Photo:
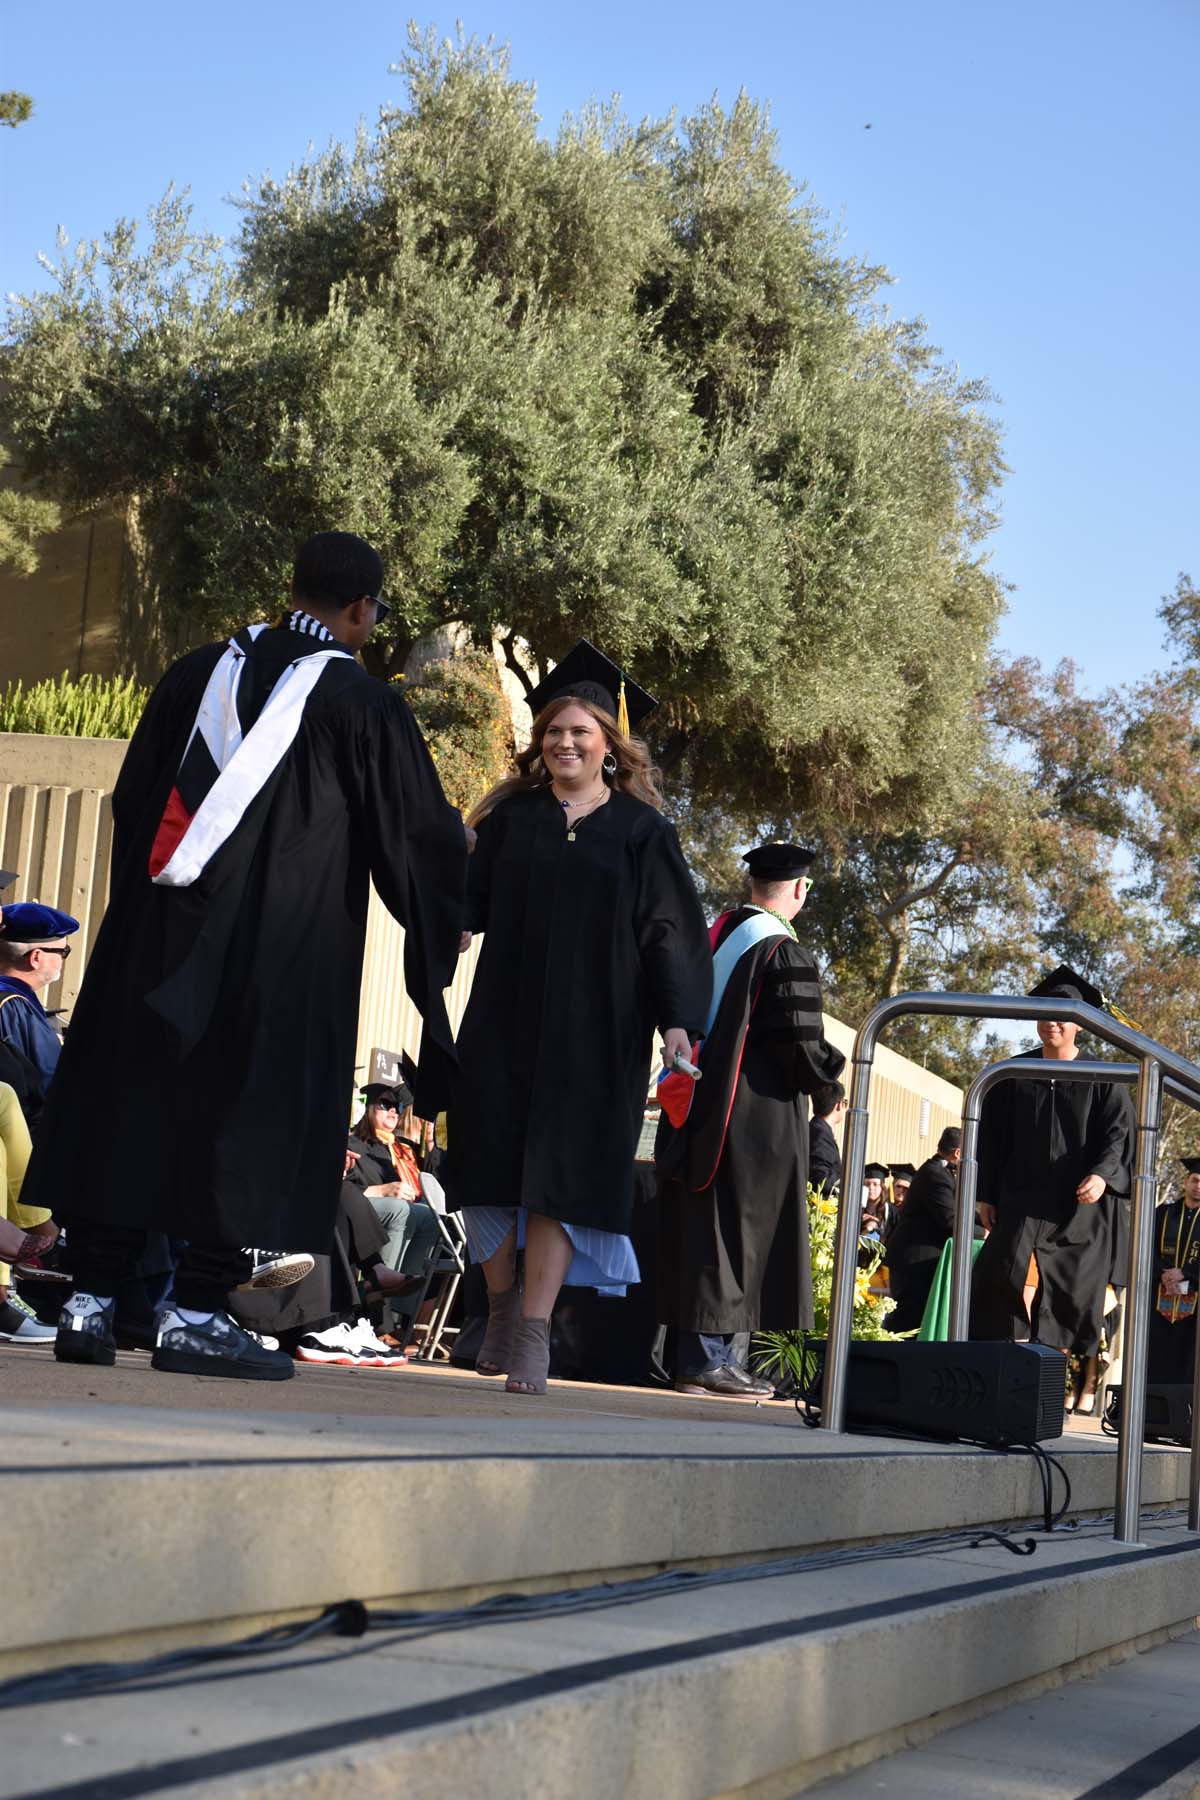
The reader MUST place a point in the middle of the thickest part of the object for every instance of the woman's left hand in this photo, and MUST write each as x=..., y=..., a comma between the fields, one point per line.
x=676, y=1042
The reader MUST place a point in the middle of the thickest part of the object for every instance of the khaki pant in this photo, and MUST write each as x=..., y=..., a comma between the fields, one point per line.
x=15, y=1149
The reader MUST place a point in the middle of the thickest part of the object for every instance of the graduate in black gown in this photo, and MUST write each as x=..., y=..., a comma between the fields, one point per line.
x=269, y=781
x=922, y=1226
x=592, y=937
x=1172, y=1355
x=733, y=1244
x=824, y=1158
x=1055, y=1171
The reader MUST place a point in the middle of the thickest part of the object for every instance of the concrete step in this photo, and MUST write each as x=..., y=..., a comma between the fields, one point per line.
x=757, y=1688
x=228, y=1509
x=1131, y=1730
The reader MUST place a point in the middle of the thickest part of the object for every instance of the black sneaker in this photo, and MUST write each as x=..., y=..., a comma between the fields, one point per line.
x=85, y=1331
x=277, y=1269
x=217, y=1347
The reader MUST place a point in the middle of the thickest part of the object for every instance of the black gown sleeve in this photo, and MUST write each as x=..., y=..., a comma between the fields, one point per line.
x=672, y=937
x=995, y=1118
x=1110, y=1137
x=416, y=850
x=479, y=873
x=787, y=1019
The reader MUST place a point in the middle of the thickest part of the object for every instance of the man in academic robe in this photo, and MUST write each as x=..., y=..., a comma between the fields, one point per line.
x=269, y=781
x=1055, y=1171
x=920, y=1229
x=733, y=1245
x=824, y=1158
x=34, y=947
x=1172, y=1355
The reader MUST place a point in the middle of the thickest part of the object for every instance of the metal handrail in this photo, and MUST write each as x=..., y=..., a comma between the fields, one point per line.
x=1159, y=1070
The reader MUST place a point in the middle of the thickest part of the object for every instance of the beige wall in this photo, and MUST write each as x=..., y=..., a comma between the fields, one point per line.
x=68, y=613
x=56, y=829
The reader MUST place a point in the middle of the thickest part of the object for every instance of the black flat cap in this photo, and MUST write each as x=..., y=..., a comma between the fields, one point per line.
x=779, y=862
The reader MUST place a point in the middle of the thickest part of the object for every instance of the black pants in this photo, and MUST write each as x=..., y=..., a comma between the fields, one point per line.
x=105, y=1256
x=1068, y=1310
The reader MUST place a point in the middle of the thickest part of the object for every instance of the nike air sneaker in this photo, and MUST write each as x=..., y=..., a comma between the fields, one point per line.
x=337, y=1345
x=382, y=1356
x=216, y=1345
x=85, y=1331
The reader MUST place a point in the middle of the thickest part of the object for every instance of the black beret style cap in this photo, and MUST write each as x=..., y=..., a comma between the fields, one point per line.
x=779, y=862
x=588, y=674
x=1064, y=984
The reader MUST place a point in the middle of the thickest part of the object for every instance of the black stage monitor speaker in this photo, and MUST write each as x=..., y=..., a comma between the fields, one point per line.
x=1168, y=1412
x=990, y=1393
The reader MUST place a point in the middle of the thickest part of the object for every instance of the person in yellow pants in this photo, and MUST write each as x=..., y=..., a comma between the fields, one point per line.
x=22, y=1228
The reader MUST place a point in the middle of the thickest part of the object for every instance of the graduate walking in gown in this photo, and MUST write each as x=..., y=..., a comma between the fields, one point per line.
x=733, y=1246
x=1172, y=1356
x=1055, y=1170
x=269, y=781
x=593, y=937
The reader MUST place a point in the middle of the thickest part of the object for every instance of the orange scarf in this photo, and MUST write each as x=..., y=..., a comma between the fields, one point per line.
x=404, y=1159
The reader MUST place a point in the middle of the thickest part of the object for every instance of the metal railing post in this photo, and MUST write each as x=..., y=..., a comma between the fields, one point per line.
x=964, y=1219
x=1138, y=1301
x=845, y=1259
x=1194, y=1464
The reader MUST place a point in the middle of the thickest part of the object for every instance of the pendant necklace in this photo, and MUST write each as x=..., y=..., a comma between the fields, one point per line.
x=594, y=800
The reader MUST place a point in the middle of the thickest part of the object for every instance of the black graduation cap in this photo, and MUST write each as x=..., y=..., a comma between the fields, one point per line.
x=875, y=1172
x=588, y=674
x=410, y=1070
x=1064, y=983
x=779, y=862
x=7, y=877
x=902, y=1171
x=1191, y=1164
x=375, y=1091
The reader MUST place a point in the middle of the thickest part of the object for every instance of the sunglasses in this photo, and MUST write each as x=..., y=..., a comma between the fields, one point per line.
x=385, y=1106
x=63, y=950
x=382, y=608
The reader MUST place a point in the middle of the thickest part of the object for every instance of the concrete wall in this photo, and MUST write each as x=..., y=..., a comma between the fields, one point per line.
x=68, y=613
x=56, y=829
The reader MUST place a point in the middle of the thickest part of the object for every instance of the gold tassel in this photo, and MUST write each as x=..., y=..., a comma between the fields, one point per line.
x=622, y=711
x=1123, y=1018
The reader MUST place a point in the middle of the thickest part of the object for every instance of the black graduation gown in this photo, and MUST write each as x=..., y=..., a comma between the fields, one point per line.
x=215, y=1029
x=733, y=1249
x=824, y=1157
x=1172, y=1353
x=1037, y=1142
x=588, y=945
x=914, y=1243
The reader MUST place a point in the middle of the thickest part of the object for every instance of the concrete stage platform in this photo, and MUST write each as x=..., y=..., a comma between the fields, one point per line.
x=170, y=1510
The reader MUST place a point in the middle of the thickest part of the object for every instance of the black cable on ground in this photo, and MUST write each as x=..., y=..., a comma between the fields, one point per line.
x=352, y=1619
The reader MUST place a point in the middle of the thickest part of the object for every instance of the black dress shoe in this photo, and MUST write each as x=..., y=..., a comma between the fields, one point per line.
x=728, y=1380
x=217, y=1346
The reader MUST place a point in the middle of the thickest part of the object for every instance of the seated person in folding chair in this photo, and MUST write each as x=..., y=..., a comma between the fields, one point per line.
x=389, y=1175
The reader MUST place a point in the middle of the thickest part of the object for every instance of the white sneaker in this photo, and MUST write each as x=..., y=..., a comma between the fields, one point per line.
x=381, y=1355
x=262, y=1337
x=337, y=1344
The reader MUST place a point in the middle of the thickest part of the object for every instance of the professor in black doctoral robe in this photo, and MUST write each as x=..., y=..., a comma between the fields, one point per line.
x=1055, y=1170
x=215, y=1029
x=733, y=1243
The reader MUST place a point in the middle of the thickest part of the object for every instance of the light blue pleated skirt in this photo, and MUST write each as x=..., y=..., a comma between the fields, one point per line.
x=604, y=1260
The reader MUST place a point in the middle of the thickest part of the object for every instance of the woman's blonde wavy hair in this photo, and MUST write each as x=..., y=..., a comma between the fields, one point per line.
x=634, y=774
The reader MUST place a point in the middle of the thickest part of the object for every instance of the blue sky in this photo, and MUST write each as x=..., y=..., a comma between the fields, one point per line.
x=1028, y=178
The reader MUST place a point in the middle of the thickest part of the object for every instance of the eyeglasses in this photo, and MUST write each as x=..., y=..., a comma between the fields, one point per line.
x=63, y=950
x=382, y=608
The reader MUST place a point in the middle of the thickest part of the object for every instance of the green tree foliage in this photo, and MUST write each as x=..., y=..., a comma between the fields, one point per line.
x=83, y=706
x=618, y=381
x=462, y=711
x=15, y=108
